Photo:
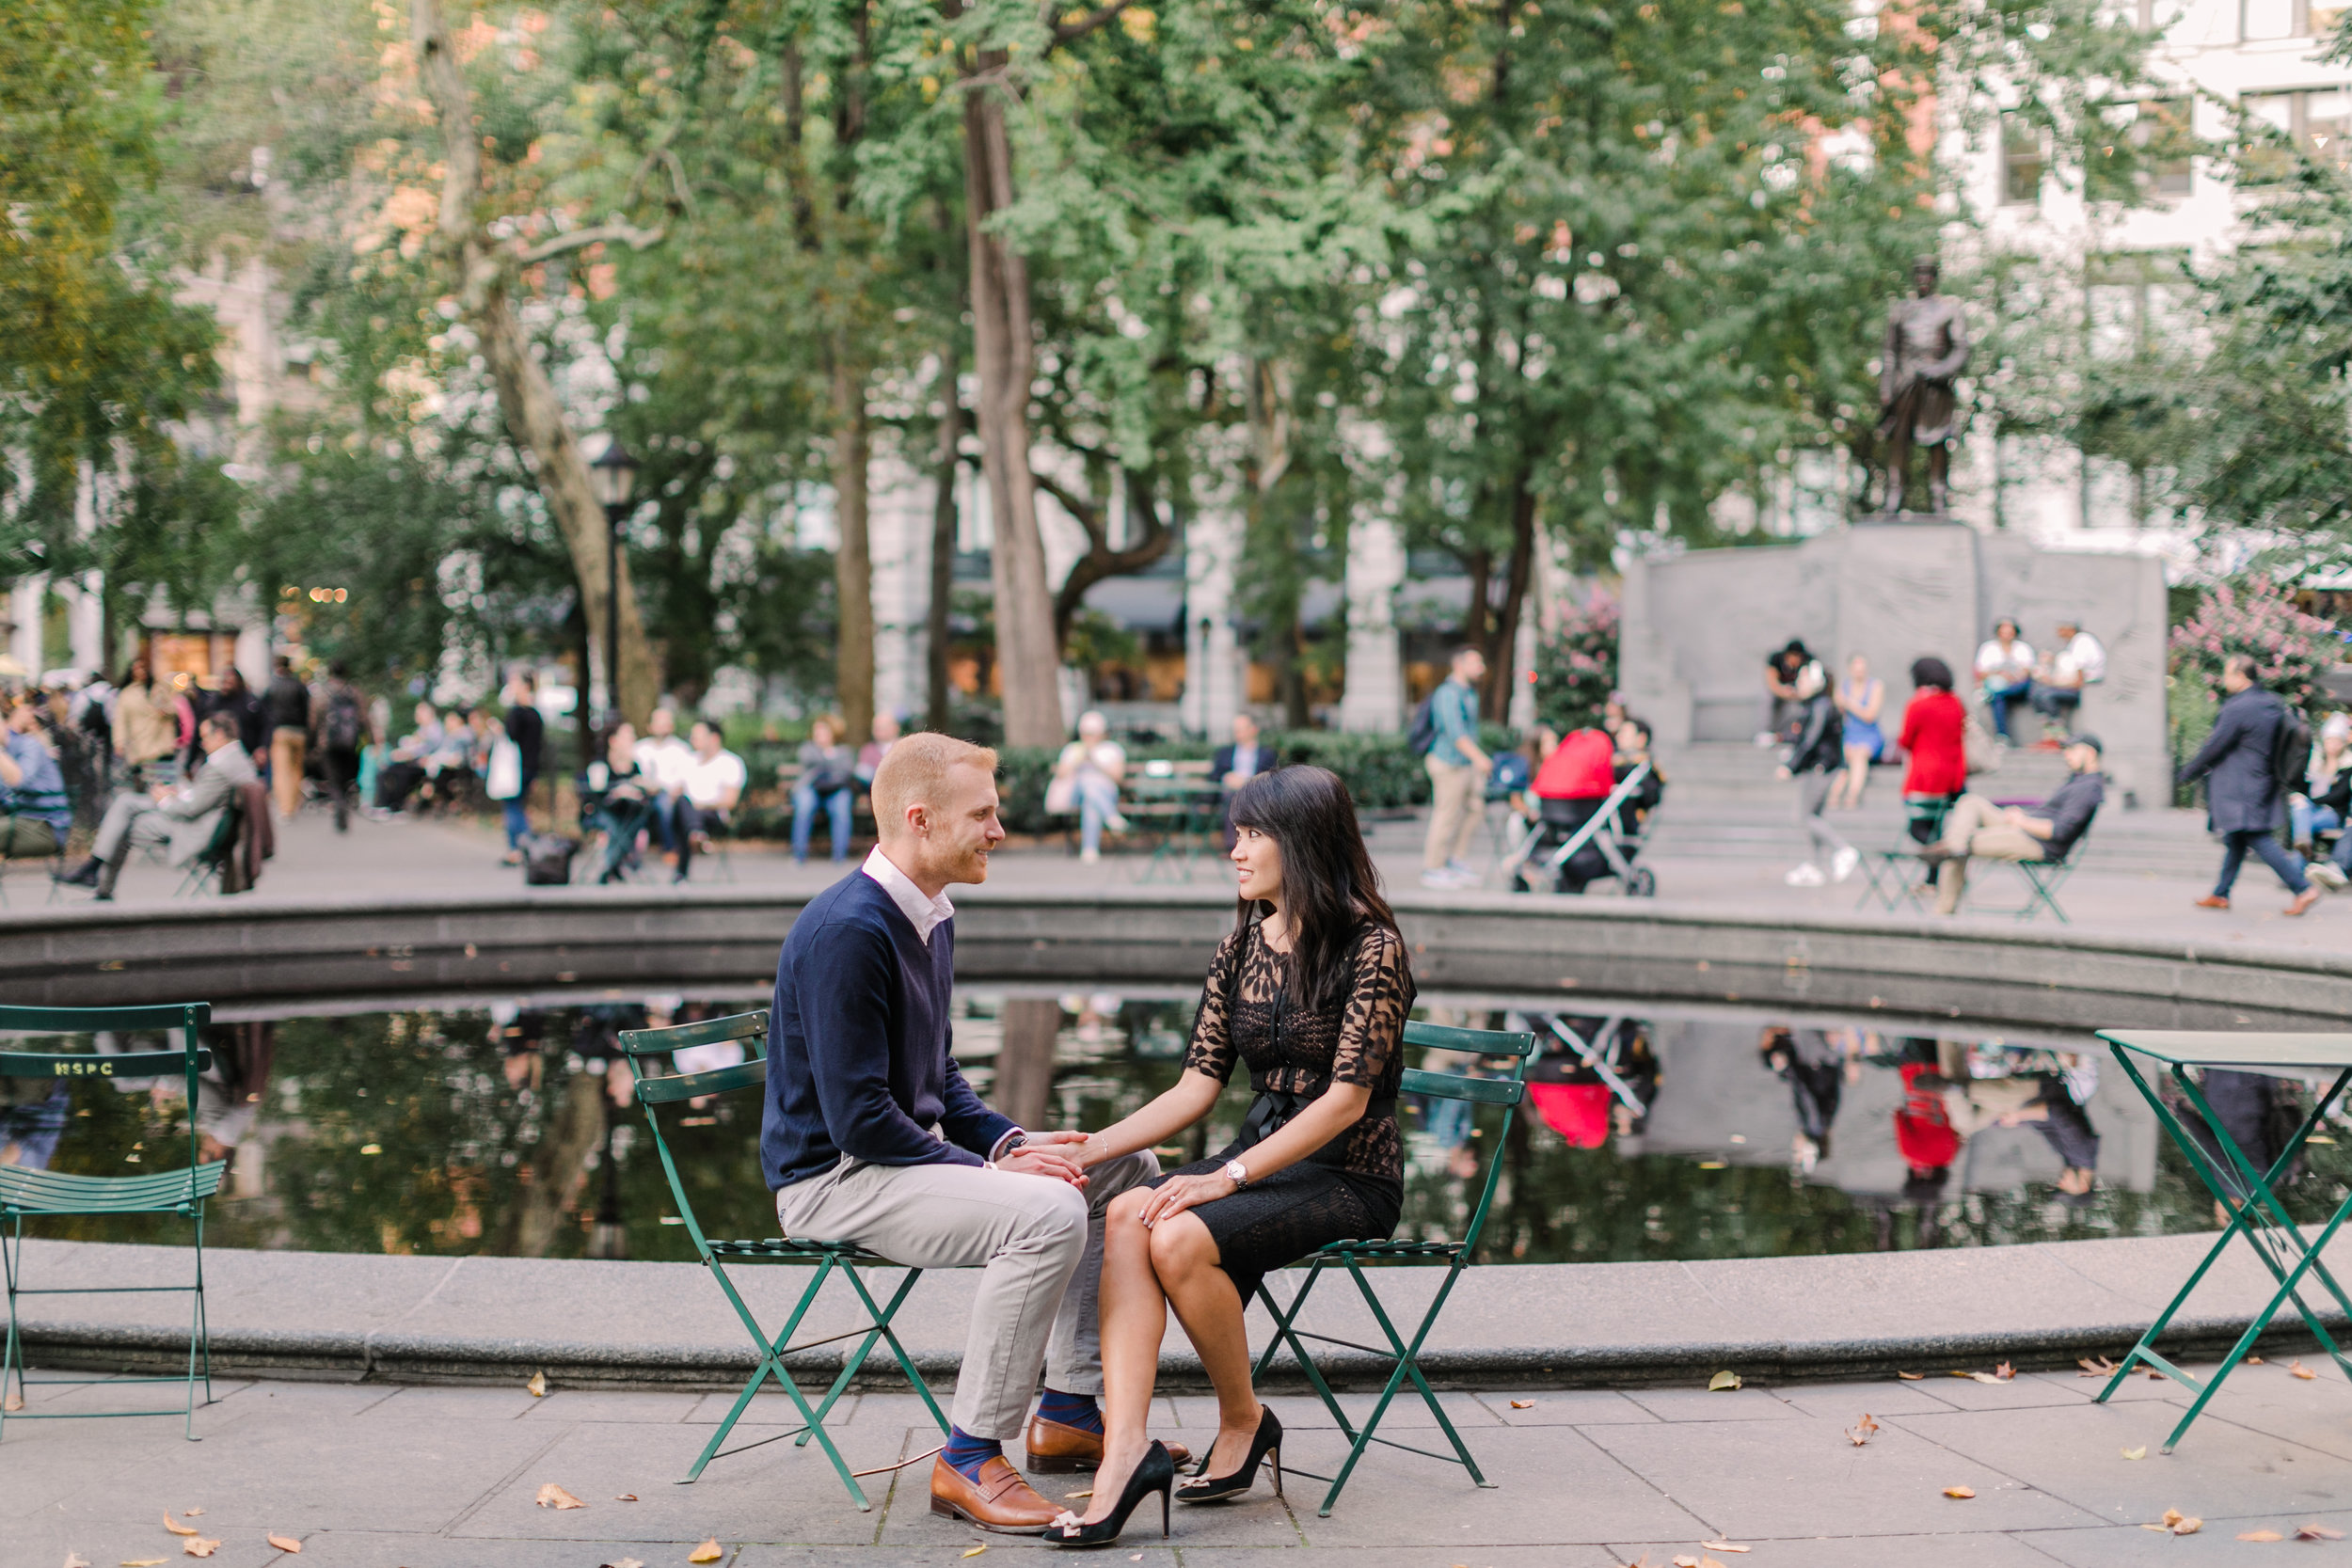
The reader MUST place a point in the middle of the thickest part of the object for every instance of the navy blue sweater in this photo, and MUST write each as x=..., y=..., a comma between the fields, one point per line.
x=858, y=1042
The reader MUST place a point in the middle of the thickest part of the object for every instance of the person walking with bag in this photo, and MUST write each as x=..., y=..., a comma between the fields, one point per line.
x=2243, y=798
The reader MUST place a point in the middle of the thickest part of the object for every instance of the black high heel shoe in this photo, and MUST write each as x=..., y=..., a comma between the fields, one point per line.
x=1156, y=1472
x=1266, y=1445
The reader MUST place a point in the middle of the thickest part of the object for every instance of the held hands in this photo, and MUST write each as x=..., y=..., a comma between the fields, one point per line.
x=1049, y=1154
x=1179, y=1192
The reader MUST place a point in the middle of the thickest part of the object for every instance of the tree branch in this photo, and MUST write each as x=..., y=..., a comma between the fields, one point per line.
x=1101, y=560
x=1089, y=515
x=1070, y=32
x=580, y=239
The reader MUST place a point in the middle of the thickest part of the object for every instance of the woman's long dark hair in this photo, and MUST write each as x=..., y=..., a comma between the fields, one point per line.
x=1329, y=888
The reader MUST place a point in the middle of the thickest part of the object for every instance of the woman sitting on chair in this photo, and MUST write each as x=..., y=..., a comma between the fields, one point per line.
x=1310, y=992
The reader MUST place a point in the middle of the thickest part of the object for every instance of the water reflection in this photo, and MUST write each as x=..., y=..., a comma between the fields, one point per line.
x=1652, y=1133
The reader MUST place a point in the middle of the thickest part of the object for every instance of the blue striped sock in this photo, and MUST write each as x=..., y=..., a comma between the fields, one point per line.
x=966, y=1453
x=1072, y=1410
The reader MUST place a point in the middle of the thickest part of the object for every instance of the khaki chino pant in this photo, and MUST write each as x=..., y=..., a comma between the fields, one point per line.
x=1976, y=827
x=1038, y=1241
x=288, y=749
x=1457, y=804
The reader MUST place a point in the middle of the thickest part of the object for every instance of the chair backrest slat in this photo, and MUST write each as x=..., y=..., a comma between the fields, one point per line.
x=1453, y=1085
x=710, y=1030
x=130, y=1064
x=81, y=1021
x=671, y=1088
x=1483, y=1042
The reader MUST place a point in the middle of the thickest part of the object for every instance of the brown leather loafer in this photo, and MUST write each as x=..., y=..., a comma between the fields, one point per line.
x=1057, y=1450
x=1000, y=1500
x=2303, y=900
x=2213, y=901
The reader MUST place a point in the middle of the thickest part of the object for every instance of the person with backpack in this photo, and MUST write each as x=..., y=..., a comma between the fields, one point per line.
x=341, y=722
x=2256, y=741
x=1445, y=732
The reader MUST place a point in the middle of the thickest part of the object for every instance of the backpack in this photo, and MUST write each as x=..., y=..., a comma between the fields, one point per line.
x=547, y=860
x=339, y=727
x=2291, y=750
x=1422, y=738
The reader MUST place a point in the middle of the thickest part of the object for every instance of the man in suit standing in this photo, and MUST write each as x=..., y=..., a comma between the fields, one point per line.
x=1235, y=765
x=182, y=818
x=873, y=1136
x=2242, y=788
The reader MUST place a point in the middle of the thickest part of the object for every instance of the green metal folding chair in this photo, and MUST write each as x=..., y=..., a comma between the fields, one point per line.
x=35, y=1193
x=1509, y=1092
x=647, y=1049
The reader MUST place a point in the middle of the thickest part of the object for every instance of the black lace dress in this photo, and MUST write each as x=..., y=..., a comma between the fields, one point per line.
x=1353, y=1188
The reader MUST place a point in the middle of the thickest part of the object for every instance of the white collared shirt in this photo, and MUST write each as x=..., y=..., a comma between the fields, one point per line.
x=923, y=910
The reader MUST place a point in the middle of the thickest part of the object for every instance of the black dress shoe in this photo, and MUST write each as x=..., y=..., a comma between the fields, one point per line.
x=83, y=875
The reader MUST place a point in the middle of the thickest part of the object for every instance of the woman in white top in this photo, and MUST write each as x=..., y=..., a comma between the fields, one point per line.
x=1088, y=776
x=2004, y=673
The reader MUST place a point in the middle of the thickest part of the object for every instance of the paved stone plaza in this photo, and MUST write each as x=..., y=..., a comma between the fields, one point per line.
x=380, y=1477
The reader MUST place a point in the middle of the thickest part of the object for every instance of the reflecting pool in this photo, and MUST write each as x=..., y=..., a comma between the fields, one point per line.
x=1654, y=1131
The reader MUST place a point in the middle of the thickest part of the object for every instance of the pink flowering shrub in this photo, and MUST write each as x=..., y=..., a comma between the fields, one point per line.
x=1576, y=667
x=2258, y=617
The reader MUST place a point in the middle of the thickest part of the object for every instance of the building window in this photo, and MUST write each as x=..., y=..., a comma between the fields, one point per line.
x=2021, y=162
x=2262, y=20
x=2318, y=120
x=2150, y=156
x=2137, y=303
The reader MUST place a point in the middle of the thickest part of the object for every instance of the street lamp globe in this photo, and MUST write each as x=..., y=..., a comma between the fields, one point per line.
x=614, y=475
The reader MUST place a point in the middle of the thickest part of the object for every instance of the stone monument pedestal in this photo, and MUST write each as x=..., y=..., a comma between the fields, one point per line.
x=1697, y=627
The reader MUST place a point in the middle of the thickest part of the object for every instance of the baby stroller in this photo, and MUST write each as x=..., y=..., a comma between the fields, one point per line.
x=1586, y=825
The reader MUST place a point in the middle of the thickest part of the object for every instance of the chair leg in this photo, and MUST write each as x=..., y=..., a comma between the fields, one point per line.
x=1286, y=1333
x=199, y=1337
x=1408, y=1364
x=771, y=1360
x=11, y=1258
x=897, y=1351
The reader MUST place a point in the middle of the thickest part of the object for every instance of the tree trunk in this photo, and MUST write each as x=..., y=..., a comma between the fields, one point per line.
x=1024, y=1062
x=535, y=417
x=853, y=559
x=1503, y=650
x=1003, y=353
x=1479, y=568
x=938, y=627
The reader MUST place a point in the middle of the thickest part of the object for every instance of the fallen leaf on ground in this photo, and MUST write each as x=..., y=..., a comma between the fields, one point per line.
x=2140, y=1452
x=626, y=1498
x=975, y=1551
x=2297, y=1369
x=75, y=1559
x=709, y=1551
x=1723, y=1381
x=2154, y=1376
x=1686, y=1560
x=538, y=1385
x=1986, y=1375
x=190, y=1514
x=2189, y=1526
x=284, y=1543
x=200, y=1548
x=1857, y=1435
x=1728, y=1546
x=552, y=1495
x=1980, y=1377
x=1522, y=1404
x=2005, y=1371
x=2095, y=1366
x=1911, y=1377
x=2317, y=1532
x=177, y=1528
x=2259, y=1535
x=13, y=1404
x=1960, y=1491
x=2252, y=1361
x=625, y=1563
x=142, y=1563
x=1075, y=1495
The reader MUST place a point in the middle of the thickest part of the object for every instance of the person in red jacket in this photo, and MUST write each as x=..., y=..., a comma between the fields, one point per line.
x=1934, y=727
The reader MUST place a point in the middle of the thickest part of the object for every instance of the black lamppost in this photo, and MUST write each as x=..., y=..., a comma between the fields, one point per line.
x=614, y=475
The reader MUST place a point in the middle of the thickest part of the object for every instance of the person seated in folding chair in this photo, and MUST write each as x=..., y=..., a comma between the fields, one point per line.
x=707, y=789
x=1976, y=828
x=1310, y=989
x=183, y=818
x=35, y=812
x=1568, y=789
x=873, y=1136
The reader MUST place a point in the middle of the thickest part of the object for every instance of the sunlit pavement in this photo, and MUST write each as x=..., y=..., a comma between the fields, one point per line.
x=421, y=1477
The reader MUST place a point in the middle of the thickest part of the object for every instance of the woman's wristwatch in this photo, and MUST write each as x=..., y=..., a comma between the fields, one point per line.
x=1237, y=1173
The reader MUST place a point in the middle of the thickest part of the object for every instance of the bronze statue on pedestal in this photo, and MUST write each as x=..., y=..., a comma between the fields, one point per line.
x=1927, y=348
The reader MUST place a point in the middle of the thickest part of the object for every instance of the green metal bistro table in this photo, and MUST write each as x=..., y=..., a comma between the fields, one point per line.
x=2244, y=1193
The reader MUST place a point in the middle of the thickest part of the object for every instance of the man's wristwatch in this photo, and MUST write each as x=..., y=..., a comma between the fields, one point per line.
x=1237, y=1173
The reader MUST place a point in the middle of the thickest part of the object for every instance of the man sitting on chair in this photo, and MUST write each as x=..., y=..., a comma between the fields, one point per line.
x=34, y=814
x=873, y=1136
x=1975, y=826
x=183, y=818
